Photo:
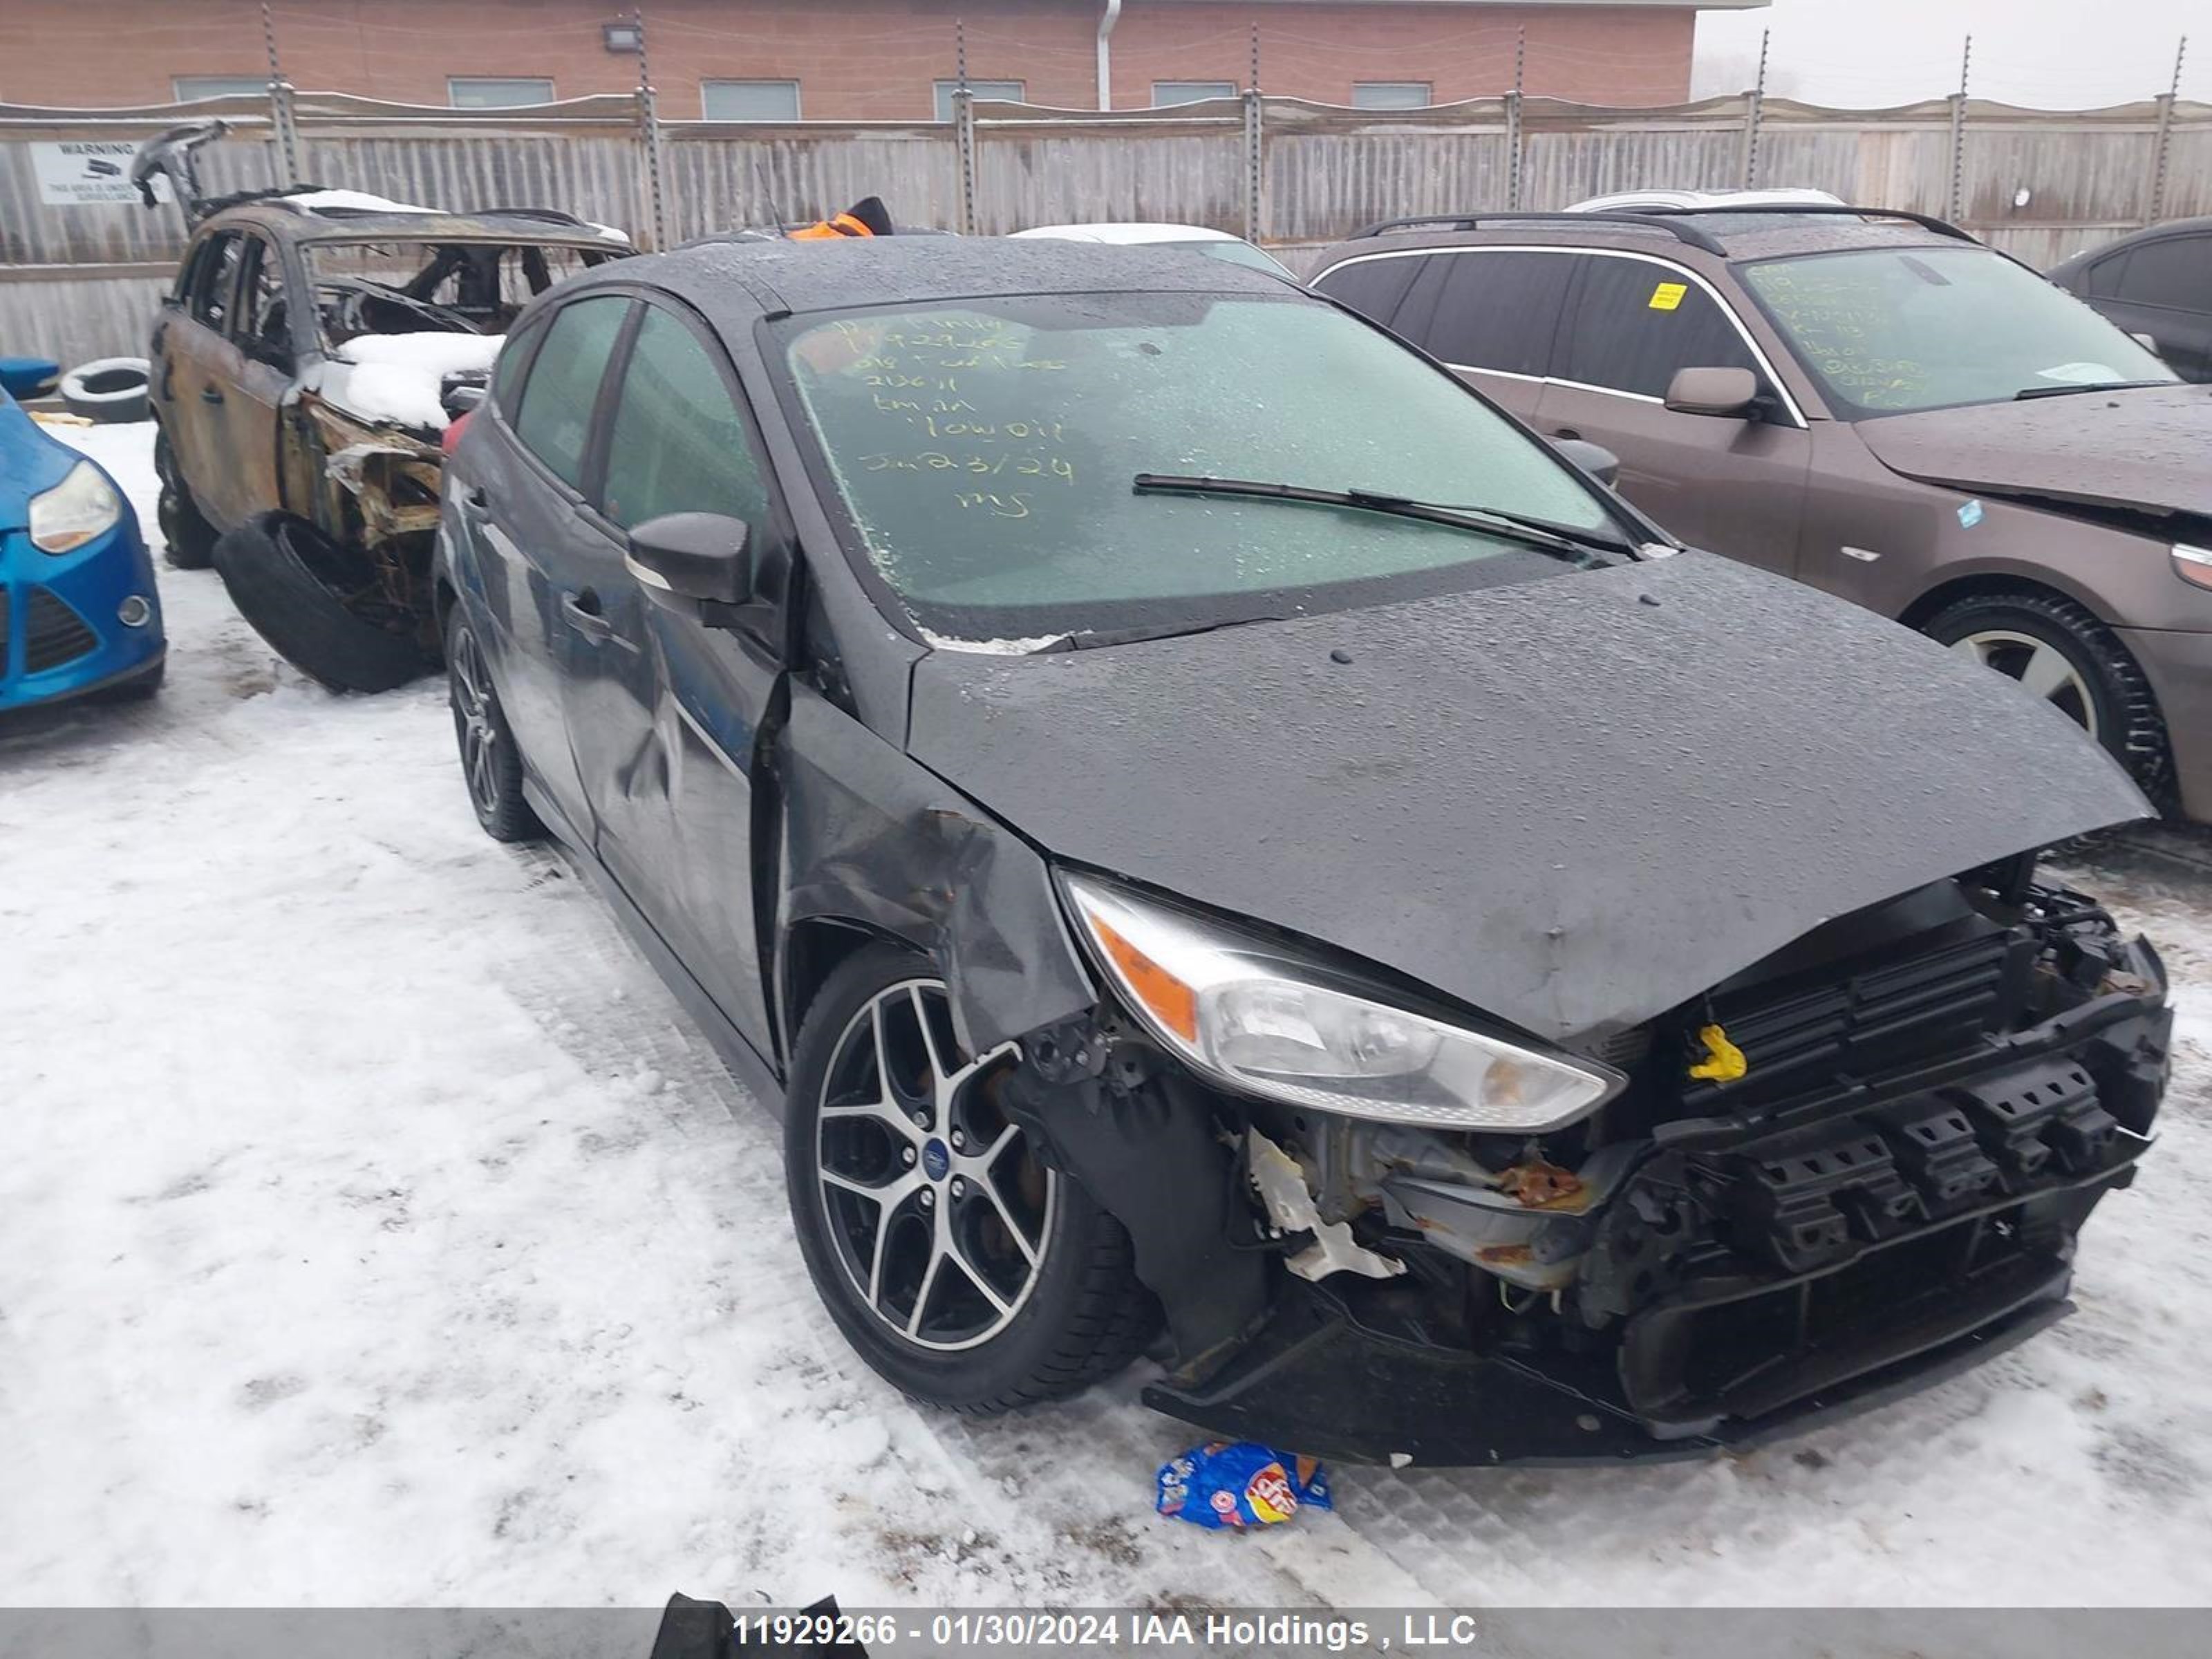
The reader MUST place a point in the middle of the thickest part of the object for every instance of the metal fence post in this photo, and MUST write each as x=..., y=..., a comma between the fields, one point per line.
x=2164, y=145
x=648, y=124
x=1958, y=134
x=283, y=118
x=963, y=136
x=1754, y=111
x=1513, y=121
x=1255, y=156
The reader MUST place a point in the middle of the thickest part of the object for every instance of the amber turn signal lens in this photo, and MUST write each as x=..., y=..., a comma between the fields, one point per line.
x=1166, y=998
x=2193, y=564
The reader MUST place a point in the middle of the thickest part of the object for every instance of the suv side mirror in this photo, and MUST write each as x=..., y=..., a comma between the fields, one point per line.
x=1725, y=391
x=1595, y=459
x=696, y=564
x=2146, y=342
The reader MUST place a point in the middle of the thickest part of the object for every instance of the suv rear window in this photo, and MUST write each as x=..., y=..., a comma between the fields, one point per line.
x=1372, y=288
x=555, y=423
x=1637, y=321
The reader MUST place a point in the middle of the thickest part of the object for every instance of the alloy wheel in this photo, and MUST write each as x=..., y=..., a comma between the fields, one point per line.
x=937, y=1206
x=2042, y=669
x=474, y=723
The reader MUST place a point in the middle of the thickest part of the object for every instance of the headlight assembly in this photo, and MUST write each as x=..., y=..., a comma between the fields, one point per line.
x=82, y=505
x=1255, y=1019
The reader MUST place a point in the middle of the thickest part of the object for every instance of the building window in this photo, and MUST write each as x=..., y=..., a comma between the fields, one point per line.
x=1009, y=91
x=1167, y=93
x=749, y=101
x=1390, y=94
x=189, y=87
x=495, y=92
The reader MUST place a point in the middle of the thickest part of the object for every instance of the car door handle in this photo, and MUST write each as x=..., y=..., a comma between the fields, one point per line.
x=473, y=507
x=210, y=395
x=1566, y=432
x=581, y=612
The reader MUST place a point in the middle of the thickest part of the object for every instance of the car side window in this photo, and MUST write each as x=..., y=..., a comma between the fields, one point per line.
x=2173, y=271
x=1637, y=322
x=678, y=443
x=216, y=283
x=2106, y=279
x=513, y=358
x=264, y=329
x=1499, y=310
x=554, y=422
x=1373, y=288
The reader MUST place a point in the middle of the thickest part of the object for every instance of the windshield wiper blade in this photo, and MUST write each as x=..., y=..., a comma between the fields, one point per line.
x=1490, y=521
x=2068, y=390
x=1092, y=639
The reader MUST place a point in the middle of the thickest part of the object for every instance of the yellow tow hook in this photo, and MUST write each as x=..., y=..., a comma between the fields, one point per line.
x=1723, y=1061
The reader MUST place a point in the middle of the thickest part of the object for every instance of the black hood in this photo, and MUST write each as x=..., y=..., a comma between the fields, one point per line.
x=1571, y=803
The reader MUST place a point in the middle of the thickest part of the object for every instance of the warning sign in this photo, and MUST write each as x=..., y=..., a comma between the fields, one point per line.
x=88, y=173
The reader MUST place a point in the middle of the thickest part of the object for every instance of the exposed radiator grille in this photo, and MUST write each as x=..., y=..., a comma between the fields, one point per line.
x=1858, y=1019
x=53, y=633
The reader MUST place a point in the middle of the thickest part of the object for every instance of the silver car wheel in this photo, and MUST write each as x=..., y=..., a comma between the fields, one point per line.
x=2042, y=669
x=937, y=1206
x=472, y=716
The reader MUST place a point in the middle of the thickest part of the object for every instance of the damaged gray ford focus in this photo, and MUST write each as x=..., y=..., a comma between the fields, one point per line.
x=1213, y=833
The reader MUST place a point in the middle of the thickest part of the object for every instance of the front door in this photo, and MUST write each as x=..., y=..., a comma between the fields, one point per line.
x=1734, y=485
x=260, y=363
x=664, y=711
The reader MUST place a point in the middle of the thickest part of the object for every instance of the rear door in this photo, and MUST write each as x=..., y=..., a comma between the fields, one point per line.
x=192, y=387
x=520, y=513
x=663, y=711
x=1735, y=486
x=2162, y=289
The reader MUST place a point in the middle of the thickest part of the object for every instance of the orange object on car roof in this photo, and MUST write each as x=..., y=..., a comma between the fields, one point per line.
x=866, y=217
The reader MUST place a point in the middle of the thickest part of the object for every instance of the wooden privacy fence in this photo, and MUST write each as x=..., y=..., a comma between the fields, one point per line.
x=77, y=276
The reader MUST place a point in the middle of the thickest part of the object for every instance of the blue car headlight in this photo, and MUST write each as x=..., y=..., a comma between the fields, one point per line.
x=81, y=508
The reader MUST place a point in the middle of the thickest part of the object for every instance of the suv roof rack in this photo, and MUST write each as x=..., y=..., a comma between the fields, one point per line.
x=1690, y=233
x=1832, y=209
x=1665, y=218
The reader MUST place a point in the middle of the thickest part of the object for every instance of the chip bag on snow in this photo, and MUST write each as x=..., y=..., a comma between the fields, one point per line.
x=1240, y=1484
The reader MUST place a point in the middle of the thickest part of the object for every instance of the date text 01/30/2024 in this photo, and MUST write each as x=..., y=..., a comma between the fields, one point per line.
x=1021, y=1630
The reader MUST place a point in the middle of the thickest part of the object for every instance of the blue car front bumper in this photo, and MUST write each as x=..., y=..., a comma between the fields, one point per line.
x=69, y=625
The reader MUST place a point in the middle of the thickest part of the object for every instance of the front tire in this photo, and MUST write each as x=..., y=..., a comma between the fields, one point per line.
x=299, y=589
x=967, y=1275
x=491, y=766
x=2059, y=651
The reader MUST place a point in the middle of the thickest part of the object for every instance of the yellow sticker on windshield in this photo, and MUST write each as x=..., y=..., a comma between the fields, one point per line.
x=1667, y=295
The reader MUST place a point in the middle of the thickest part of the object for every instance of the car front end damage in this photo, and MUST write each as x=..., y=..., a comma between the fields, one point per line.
x=1851, y=1169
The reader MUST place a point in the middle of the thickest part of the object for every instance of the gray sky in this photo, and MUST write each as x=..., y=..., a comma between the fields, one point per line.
x=2052, y=54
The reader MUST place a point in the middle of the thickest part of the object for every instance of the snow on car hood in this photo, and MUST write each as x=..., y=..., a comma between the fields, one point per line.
x=398, y=377
x=1571, y=803
x=2143, y=448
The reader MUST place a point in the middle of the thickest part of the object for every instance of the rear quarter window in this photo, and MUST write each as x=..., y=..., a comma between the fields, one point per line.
x=1498, y=310
x=555, y=422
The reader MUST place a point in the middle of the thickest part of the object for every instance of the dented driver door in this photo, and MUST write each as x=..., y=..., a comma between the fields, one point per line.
x=665, y=711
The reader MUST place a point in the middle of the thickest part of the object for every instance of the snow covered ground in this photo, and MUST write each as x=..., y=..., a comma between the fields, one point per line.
x=373, y=1231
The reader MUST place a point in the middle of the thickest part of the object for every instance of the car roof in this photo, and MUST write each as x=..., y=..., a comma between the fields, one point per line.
x=1699, y=237
x=1132, y=234
x=734, y=283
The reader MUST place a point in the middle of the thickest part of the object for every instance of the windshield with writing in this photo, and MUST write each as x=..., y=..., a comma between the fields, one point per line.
x=1886, y=331
x=986, y=453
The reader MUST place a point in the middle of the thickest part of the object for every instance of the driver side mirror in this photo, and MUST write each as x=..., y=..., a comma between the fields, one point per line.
x=1723, y=391
x=2146, y=342
x=696, y=564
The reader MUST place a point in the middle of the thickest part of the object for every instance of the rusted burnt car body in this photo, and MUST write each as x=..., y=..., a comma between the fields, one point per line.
x=307, y=362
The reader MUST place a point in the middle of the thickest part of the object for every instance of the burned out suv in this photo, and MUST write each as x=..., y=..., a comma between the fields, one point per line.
x=314, y=348
x=1873, y=403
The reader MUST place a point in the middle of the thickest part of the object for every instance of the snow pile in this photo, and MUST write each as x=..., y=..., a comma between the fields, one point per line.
x=355, y=200
x=373, y=1231
x=396, y=377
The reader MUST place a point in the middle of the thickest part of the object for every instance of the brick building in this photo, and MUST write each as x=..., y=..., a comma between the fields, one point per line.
x=851, y=59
